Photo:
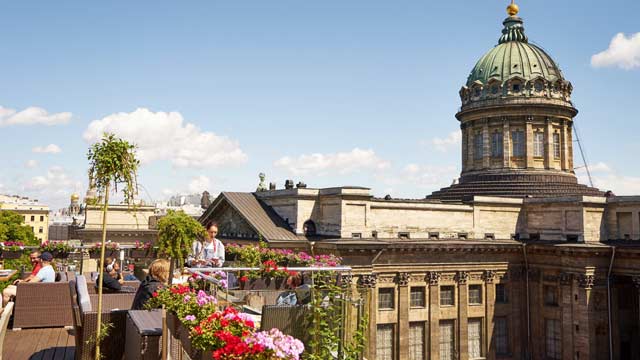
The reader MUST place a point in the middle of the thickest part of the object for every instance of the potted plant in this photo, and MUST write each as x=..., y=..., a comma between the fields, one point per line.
x=270, y=276
x=176, y=233
x=142, y=250
x=59, y=249
x=112, y=162
x=231, y=252
x=112, y=249
x=12, y=249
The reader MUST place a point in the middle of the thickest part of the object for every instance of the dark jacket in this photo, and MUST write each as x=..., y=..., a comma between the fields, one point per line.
x=147, y=287
x=109, y=283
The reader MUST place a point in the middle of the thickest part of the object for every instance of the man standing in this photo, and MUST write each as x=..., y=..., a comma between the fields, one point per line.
x=10, y=291
x=210, y=252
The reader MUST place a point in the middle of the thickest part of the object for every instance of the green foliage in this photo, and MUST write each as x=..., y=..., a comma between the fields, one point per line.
x=113, y=161
x=13, y=229
x=105, y=329
x=176, y=233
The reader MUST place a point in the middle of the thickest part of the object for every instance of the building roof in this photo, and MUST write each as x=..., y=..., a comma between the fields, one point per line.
x=260, y=216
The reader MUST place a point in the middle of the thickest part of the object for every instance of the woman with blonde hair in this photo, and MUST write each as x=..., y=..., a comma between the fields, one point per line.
x=157, y=278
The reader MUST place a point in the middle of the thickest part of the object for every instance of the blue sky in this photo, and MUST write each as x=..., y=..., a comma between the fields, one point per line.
x=328, y=92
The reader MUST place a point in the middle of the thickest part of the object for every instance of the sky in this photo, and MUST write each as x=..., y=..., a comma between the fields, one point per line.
x=330, y=93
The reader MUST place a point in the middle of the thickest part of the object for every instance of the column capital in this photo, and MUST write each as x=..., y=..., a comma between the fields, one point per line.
x=636, y=281
x=488, y=276
x=586, y=281
x=462, y=277
x=369, y=280
x=403, y=279
x=433, y=277
x=566, y=278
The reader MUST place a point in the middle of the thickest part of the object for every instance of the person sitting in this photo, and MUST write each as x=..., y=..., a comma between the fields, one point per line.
x=299, y=293
x=208, y=253
x=157, y=278
x=10, y=291
x=112, y=280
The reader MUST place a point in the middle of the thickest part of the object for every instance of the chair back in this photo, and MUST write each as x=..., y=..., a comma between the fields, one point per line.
x=4, y=322
x=83, y=294
x=288, y=319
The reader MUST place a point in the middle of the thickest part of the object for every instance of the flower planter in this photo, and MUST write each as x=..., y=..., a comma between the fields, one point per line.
x=230, y=257
x=10, y=254
x=60, y=254
x=142, y=253
x=107, y=253
x=278, y=283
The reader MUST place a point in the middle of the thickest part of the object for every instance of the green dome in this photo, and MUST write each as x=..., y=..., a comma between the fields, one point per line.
x=515, y=68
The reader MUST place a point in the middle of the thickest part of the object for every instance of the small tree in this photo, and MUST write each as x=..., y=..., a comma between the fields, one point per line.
x=176, y=233
x=112, y=161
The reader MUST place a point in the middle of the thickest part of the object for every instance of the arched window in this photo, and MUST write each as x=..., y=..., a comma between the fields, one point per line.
x=309, y=228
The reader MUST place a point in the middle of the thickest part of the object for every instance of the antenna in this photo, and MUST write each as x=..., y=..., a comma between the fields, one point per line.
x=584, y=158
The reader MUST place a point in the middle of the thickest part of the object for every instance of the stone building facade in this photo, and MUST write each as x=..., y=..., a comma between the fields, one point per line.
x=516, y=261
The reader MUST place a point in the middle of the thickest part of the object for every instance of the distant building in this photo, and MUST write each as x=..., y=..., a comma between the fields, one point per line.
x=125, y=225
x=35, y=214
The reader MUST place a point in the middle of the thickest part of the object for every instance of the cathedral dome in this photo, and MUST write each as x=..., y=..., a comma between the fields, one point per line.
x=515, y=69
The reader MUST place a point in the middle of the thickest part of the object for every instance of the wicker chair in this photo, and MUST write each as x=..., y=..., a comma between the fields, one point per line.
x=288, y=319
x=4, y=321
x=42, y=305
x=85, y=318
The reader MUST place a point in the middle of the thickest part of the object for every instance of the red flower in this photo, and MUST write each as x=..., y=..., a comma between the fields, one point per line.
x=243, y=279
x=155, y=294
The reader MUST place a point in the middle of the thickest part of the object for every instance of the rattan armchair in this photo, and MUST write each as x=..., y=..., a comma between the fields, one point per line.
x=42, y=305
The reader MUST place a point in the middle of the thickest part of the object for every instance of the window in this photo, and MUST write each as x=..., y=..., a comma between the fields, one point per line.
x=384, y=342
x=416, y=340
x=552, y=339
x=403, y=235
x=516, y=88
x=477, y=146
x=475, y=294
x=33, y=218
x=494, y=89
x=356, y=235
x=447, y=296
x=550, y=295
x=41, y=218
x=539, y=86
x=556, y=145
x=501, y=294
x=447, y=340
x=517, y=138
x=475, y=338
x=538, y=144
x=477, y=92
x=40, y=230
x=501, y=335
x=417, y=296
x=496, y=144
x=374, y=234
x=386, y=298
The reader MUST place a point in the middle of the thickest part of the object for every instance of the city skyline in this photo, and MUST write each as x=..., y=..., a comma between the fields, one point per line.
x=329, y=94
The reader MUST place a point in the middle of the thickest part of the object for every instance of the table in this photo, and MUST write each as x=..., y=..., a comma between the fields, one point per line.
x=6, y=274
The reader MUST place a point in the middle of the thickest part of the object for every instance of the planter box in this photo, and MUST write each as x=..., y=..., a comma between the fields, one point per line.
x=191, y=353
x=142, y=253
x=11, y=254
x=107, y=253
x=60, y=254
x=278, y=283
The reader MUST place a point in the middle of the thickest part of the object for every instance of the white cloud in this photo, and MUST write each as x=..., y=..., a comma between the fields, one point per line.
x=49, y=149
x=605, y=178
x=430, y=177
x=31, y=164
x=342, y=163
x=55, y=184
x=451, y=141
x=166, y=136
x=199, y=184
x=623, y=52
x=31, y=116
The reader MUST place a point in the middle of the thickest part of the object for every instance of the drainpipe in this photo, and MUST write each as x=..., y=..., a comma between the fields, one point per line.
x=526, y=266
x=613, y=255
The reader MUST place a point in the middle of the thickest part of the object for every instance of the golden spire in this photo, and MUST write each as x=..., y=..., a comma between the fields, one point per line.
x=512, y=9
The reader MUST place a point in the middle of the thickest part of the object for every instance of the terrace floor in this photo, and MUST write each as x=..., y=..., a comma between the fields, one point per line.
x=39, y=344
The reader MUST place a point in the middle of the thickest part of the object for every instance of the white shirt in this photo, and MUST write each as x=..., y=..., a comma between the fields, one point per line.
x=207, y=251
x=46, y=274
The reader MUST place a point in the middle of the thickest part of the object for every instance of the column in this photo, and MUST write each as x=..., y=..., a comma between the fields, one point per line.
x=490, y=301
x=486, y=145
x=564, y=146
x=582, y=340
x=463, y=309
x=566, y=304
x=369, y=283
x=470, y=154
x=506, y=143
x=548, y=144
x=635, y=225
x=434, y=315
x=465, y=147
x=569, y=153
x=403, y=315
x=529, y=164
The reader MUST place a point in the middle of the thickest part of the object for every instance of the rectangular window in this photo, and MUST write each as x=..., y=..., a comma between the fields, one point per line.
x=33, y=218
x=475, y=338
x=556, y=145
x=384, y=342
x=404, y=235
x=356, y=235
x=496, y=144
x=478, y=147
x=552, y=339
x=447, y=294
x=475, y=294
x=386, y=298
x=416, y=340
x=40, y=230
x=447, y=340
x=517, y=141
x=501, y=294
x=551, y=295
x=417, y=296
x=41, y=218
x=501, y=335
x=538, y=144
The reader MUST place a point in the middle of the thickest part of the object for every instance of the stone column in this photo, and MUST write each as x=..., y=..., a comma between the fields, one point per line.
x=529, y=143
x=470, y=151
x=548, y=144
x=434, y=315
x=465, y=146
x=486, y=145
x=566, y=304
x=582, y=340
x=369, y=283
x=635, y=225
x=403, y=315
x=564, y=146
x=463, y=308
x=506, y=143
x=490, y=305
x=569, y=153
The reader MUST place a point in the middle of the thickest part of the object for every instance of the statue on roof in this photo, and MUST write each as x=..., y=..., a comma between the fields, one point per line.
x=205, y=200
x=261, y=186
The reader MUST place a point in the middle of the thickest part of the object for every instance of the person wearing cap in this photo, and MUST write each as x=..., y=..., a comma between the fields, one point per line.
x=46, y=273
